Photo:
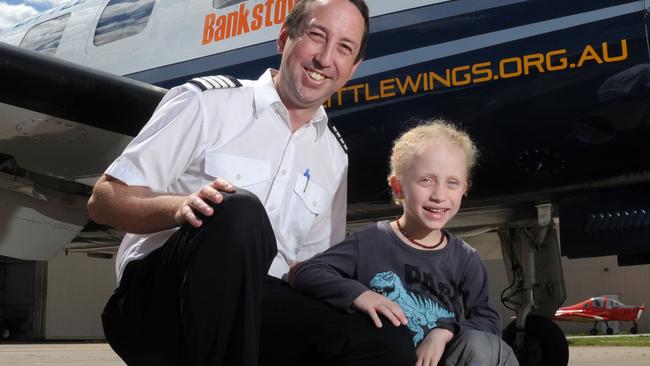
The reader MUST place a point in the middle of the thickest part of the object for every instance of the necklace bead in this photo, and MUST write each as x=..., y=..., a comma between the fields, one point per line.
x=417, y=243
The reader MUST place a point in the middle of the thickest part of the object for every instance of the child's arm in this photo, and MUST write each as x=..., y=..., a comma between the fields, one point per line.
x=430, y=350
x=331, y=276
x=480, y=312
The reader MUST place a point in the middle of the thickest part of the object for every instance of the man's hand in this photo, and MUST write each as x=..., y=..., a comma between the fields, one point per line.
x=374, y=304
x=198, y=201
x=430, y=350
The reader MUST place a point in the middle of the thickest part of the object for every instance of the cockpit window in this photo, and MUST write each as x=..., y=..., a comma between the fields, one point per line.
x=598, y=303
x=220, y=4
x=45, y=37
x=122, y=19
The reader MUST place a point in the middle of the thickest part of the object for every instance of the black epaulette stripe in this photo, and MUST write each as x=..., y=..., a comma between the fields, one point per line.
x=338, y=137
x=215, y=82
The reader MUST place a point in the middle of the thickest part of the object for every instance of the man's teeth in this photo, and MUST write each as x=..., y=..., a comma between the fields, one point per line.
x=315, y=75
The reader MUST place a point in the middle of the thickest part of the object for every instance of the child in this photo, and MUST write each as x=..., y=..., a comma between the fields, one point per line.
x=410, y=270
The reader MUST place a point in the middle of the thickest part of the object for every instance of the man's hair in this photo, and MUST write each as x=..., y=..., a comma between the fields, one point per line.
x=295, y=22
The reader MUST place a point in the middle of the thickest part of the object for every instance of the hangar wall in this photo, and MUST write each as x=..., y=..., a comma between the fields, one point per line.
x=77, y=289
x=585, y=278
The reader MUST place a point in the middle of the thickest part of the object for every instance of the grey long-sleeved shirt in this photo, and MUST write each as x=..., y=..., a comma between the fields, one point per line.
x=432, y=286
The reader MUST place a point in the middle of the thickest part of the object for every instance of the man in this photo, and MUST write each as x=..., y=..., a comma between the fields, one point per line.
x=192, y=295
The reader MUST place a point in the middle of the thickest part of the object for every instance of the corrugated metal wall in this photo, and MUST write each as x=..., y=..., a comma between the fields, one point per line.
x=585, y=278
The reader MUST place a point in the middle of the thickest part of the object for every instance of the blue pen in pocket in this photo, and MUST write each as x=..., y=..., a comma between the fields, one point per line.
x=308, y=176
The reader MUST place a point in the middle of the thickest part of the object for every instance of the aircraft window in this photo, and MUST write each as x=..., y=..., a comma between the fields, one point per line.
x=598, y=303
x=613, y=303
x=220, y=4
x=122, y=19
x=45, y=37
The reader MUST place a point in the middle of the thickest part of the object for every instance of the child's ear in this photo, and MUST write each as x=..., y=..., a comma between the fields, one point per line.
x=396, y=187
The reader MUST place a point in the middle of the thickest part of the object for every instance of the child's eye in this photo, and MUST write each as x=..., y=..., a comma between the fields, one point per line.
x=454, y=183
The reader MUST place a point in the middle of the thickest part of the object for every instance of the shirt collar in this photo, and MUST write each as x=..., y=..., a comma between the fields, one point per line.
x=266, y=96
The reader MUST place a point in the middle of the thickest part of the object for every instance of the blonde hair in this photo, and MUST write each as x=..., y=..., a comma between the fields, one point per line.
x=414, y=140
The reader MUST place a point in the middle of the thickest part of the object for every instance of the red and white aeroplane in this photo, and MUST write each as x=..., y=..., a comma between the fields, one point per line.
x=601, y=309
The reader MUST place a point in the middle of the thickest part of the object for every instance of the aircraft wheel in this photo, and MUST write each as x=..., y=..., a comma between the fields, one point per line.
x=610, y=331
x=5, y=333
x=634, y=330
x=544, y=345
x=593, y=331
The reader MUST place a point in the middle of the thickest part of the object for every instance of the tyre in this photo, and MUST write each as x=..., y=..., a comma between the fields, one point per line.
x=593, y=331
x=544, y=345
x=609, y=331
x=634, y=330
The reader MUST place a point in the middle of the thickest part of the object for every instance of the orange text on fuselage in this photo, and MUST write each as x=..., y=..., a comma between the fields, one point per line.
x=248, y=18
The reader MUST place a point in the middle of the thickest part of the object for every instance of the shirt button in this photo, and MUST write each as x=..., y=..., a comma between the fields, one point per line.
x=283, y=172
x=271, y=208
x=314, y=203
x=238, y=177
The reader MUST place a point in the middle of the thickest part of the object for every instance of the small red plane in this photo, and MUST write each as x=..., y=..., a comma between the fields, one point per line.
x=601, y=309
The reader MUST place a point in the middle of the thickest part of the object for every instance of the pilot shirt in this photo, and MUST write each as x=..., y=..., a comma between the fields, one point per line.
x=243, y=135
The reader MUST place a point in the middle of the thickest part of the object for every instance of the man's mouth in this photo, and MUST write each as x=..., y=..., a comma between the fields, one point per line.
x=315, y=76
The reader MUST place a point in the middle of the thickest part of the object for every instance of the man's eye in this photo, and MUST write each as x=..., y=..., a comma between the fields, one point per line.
x=347, y=50
x=316, y=35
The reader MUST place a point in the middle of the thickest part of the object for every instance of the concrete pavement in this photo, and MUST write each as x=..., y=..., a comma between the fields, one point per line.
x=100, y=354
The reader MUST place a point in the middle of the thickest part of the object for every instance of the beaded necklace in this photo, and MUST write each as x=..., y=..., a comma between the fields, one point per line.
x=417, y=243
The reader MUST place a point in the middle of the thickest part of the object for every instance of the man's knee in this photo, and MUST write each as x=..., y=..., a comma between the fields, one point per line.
x=240, y=202
x=239, y=222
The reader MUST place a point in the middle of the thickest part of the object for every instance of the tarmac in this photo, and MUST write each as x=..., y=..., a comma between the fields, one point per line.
x=100, y=354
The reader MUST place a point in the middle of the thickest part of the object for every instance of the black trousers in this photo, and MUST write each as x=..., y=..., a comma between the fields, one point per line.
x=299, y=330
x=196, y=300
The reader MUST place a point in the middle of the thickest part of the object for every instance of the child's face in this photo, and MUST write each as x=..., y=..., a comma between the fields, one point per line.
x=432, y=186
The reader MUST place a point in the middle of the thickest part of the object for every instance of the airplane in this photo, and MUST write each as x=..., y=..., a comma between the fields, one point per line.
x=555, y=93
x=601, y=309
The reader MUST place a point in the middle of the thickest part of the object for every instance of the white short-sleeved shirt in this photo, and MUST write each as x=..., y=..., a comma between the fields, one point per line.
x=243, y=135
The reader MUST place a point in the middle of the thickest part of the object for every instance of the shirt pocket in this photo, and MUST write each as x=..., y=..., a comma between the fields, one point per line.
x=242, y=172
x=308, y=201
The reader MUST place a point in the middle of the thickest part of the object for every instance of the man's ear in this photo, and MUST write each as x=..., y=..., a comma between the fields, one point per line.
x=396, y=187
x=282, y=39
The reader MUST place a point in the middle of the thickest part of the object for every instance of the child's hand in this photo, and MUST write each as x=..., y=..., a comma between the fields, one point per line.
x=374, y=304
x=430, y=350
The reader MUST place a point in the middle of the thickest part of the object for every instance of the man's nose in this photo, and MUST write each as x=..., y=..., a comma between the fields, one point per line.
x=324, y=56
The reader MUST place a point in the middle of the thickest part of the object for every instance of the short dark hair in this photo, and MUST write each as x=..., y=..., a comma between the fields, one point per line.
x=296, y=19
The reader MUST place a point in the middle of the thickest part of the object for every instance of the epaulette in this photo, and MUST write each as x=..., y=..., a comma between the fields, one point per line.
x=338, y=137
x=215, y=82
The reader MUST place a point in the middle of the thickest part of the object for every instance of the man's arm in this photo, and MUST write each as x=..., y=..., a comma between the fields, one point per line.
x=138, y=210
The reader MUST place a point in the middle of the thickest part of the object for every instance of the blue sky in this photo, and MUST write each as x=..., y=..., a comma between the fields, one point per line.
x=13, y=11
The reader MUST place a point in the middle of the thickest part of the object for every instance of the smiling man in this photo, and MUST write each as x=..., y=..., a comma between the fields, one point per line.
x=229, y=179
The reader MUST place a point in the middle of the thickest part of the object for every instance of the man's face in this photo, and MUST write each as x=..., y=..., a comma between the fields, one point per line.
x=321, y=59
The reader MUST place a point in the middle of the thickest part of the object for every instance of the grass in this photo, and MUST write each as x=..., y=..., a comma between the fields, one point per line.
x=640, y=341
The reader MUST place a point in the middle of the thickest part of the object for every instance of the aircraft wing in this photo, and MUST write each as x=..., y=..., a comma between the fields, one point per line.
x=61, y=124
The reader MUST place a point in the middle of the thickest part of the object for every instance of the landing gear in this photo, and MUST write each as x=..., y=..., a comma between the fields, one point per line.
x=532, y=256
x=634, y=329
x=609, y=331
x=544, y=342
x=593, y=331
